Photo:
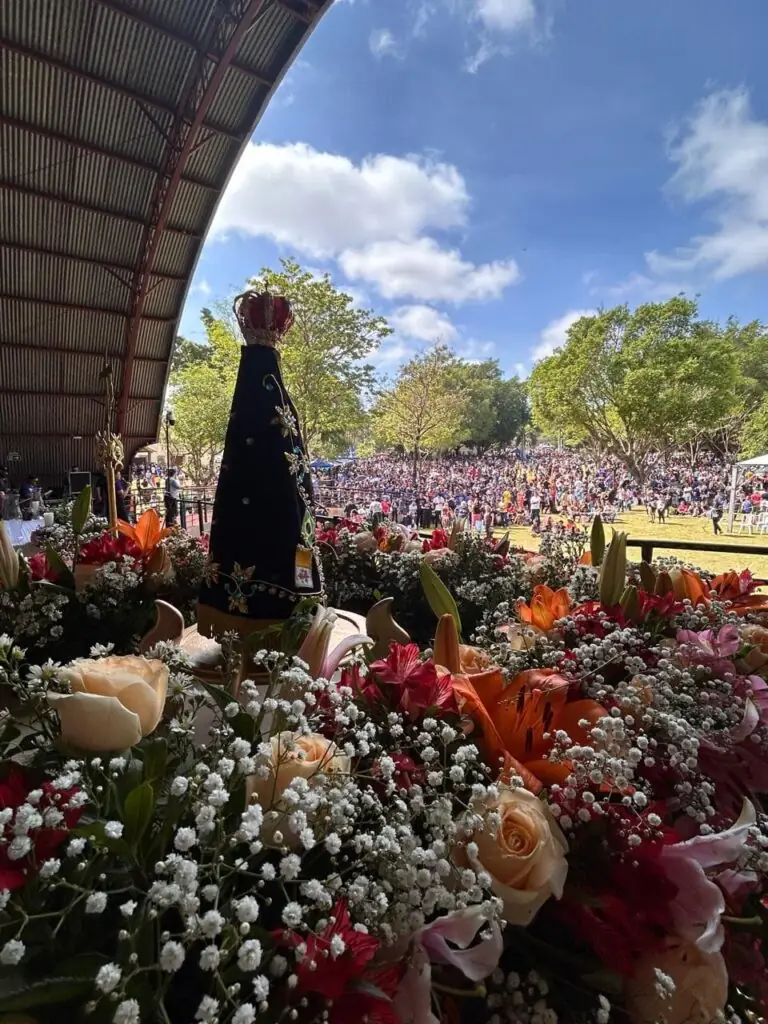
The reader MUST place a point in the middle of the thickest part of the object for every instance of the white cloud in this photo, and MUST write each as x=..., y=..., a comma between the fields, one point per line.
x=505, y=15
x=383, y=44
x=202, y=287
x=521, y=370
x=641, y=288
x=722, y=159
x=420, y=269
x=321, y=203
x=424, y=323
x=555, y=334
x=475, y=351
x=392, y=352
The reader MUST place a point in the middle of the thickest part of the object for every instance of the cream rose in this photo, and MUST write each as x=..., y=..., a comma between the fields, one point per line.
x=365, y=541
x=525, y=856
x=293, y=756
x=114, y=702
x=701, y=986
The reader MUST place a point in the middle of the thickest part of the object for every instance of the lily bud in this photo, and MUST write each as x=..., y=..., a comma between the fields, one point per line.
x=613, y=571
x=597, y=542
x=663, y=584
x=630, y=604
x=446, y=649
x=9, y=560
x=647, y=578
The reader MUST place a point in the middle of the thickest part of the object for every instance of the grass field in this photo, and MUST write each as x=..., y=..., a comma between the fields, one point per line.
x=684, y=528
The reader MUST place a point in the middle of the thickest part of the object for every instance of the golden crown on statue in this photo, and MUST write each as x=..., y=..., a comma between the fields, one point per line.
x=263, y=318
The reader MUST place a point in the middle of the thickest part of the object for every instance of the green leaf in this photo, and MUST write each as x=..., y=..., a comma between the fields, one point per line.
x=95, y=832
x=647, y=578
x=64, y=575
x=155, y=755
x=597, y=541
x=138, y=811
x=81, y=510
x=438, y=596
x=44, y=992
x=219, y=694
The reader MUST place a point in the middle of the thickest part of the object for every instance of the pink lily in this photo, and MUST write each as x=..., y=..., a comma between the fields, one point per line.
x=413, y=1001
x=705, y=648
x=314, y=650
x=700, y=904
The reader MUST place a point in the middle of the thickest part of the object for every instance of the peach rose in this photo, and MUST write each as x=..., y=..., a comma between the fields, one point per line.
x=365, y=541
x=293, y=756
x=114, y=702
x=701, y=986
x=526, y=857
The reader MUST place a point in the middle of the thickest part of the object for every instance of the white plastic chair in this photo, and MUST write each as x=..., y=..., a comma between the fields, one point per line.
x=746, y=523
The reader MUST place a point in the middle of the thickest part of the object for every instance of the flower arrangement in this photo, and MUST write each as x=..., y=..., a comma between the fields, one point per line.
x=362, y=566
x=88, y=586
x=562, y=819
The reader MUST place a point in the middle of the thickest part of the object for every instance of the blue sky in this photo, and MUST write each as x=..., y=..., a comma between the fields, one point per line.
x=483, y=171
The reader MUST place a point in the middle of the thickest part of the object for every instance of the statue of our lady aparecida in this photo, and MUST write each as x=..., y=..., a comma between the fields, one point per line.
x=262, y=557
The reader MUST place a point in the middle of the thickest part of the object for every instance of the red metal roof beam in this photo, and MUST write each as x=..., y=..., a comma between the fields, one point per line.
x=74, y=204
x=122, y=90
x=88, y=147
x=169, y=195
x=142, y=18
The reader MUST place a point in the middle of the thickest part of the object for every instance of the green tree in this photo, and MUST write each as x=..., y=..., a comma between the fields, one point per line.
x=424, y=411
x=637, y=383
x=512, y=411
x=200, y=395
x=187, y=352
x=496, y=409
x=323, y=355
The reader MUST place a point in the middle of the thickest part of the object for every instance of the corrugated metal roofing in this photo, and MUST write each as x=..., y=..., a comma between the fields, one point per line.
x=112, y=126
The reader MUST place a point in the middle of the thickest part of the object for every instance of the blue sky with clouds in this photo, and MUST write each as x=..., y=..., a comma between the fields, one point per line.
x=482, y=171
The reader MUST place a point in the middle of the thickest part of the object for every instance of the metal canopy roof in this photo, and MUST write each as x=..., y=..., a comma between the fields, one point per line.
x=120, y=123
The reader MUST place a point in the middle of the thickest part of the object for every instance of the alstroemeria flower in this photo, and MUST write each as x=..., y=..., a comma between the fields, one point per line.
x=729, y=586
x=416, y=684
x=546, y=607
x=688, y=585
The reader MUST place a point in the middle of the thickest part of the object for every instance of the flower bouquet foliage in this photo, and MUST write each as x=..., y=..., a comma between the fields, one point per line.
x=562, y=819
x=88, y=586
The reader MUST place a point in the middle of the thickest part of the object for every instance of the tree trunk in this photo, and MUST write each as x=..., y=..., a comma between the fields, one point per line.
x=416, y=466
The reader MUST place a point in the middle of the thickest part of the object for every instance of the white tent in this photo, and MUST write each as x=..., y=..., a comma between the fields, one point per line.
x=739, y=468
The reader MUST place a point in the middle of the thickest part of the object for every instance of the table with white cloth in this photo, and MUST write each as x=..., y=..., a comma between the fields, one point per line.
x=20, y=530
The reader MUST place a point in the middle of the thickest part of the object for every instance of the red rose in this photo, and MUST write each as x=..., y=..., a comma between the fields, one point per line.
x=40, y=570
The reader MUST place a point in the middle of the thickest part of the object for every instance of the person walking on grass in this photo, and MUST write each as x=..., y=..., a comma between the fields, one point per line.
x=661, y=508
x=716, y=514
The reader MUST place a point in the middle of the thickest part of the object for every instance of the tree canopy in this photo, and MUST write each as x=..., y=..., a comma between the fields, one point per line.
x=637, y=383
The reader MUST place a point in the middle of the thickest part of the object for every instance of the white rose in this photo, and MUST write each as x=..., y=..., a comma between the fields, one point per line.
x=115, y=702
x=526, y=857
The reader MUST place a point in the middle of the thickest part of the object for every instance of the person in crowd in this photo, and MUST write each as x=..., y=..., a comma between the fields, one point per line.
x=121, y=495
x=172, y=492
x=716, y=514
x=28, y=493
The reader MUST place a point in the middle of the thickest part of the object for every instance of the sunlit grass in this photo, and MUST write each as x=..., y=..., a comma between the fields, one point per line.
x=684, y=528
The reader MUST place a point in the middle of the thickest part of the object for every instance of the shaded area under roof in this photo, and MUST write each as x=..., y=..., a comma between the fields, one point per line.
x=120, y=123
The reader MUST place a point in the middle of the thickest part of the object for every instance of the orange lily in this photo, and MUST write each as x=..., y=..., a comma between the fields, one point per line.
x=514, y=719
x=477, y=684
x=687, y=584
x=586, y=558
x=534, y=706
x=728, y=587
x=546, y=607
x=147, y=533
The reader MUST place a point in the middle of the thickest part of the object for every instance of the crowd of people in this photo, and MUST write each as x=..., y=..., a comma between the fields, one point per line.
x=540, y=489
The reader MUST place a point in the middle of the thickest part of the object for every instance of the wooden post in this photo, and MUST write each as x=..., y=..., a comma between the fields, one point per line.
x=109, y=447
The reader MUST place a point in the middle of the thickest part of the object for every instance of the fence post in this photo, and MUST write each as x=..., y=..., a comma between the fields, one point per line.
x=182, y=511
x=646, y=552
x=200, y=516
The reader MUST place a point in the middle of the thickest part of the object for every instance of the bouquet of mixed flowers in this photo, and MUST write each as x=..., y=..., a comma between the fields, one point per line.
x=88, y=585
x=561, y=820
x=362, y=566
